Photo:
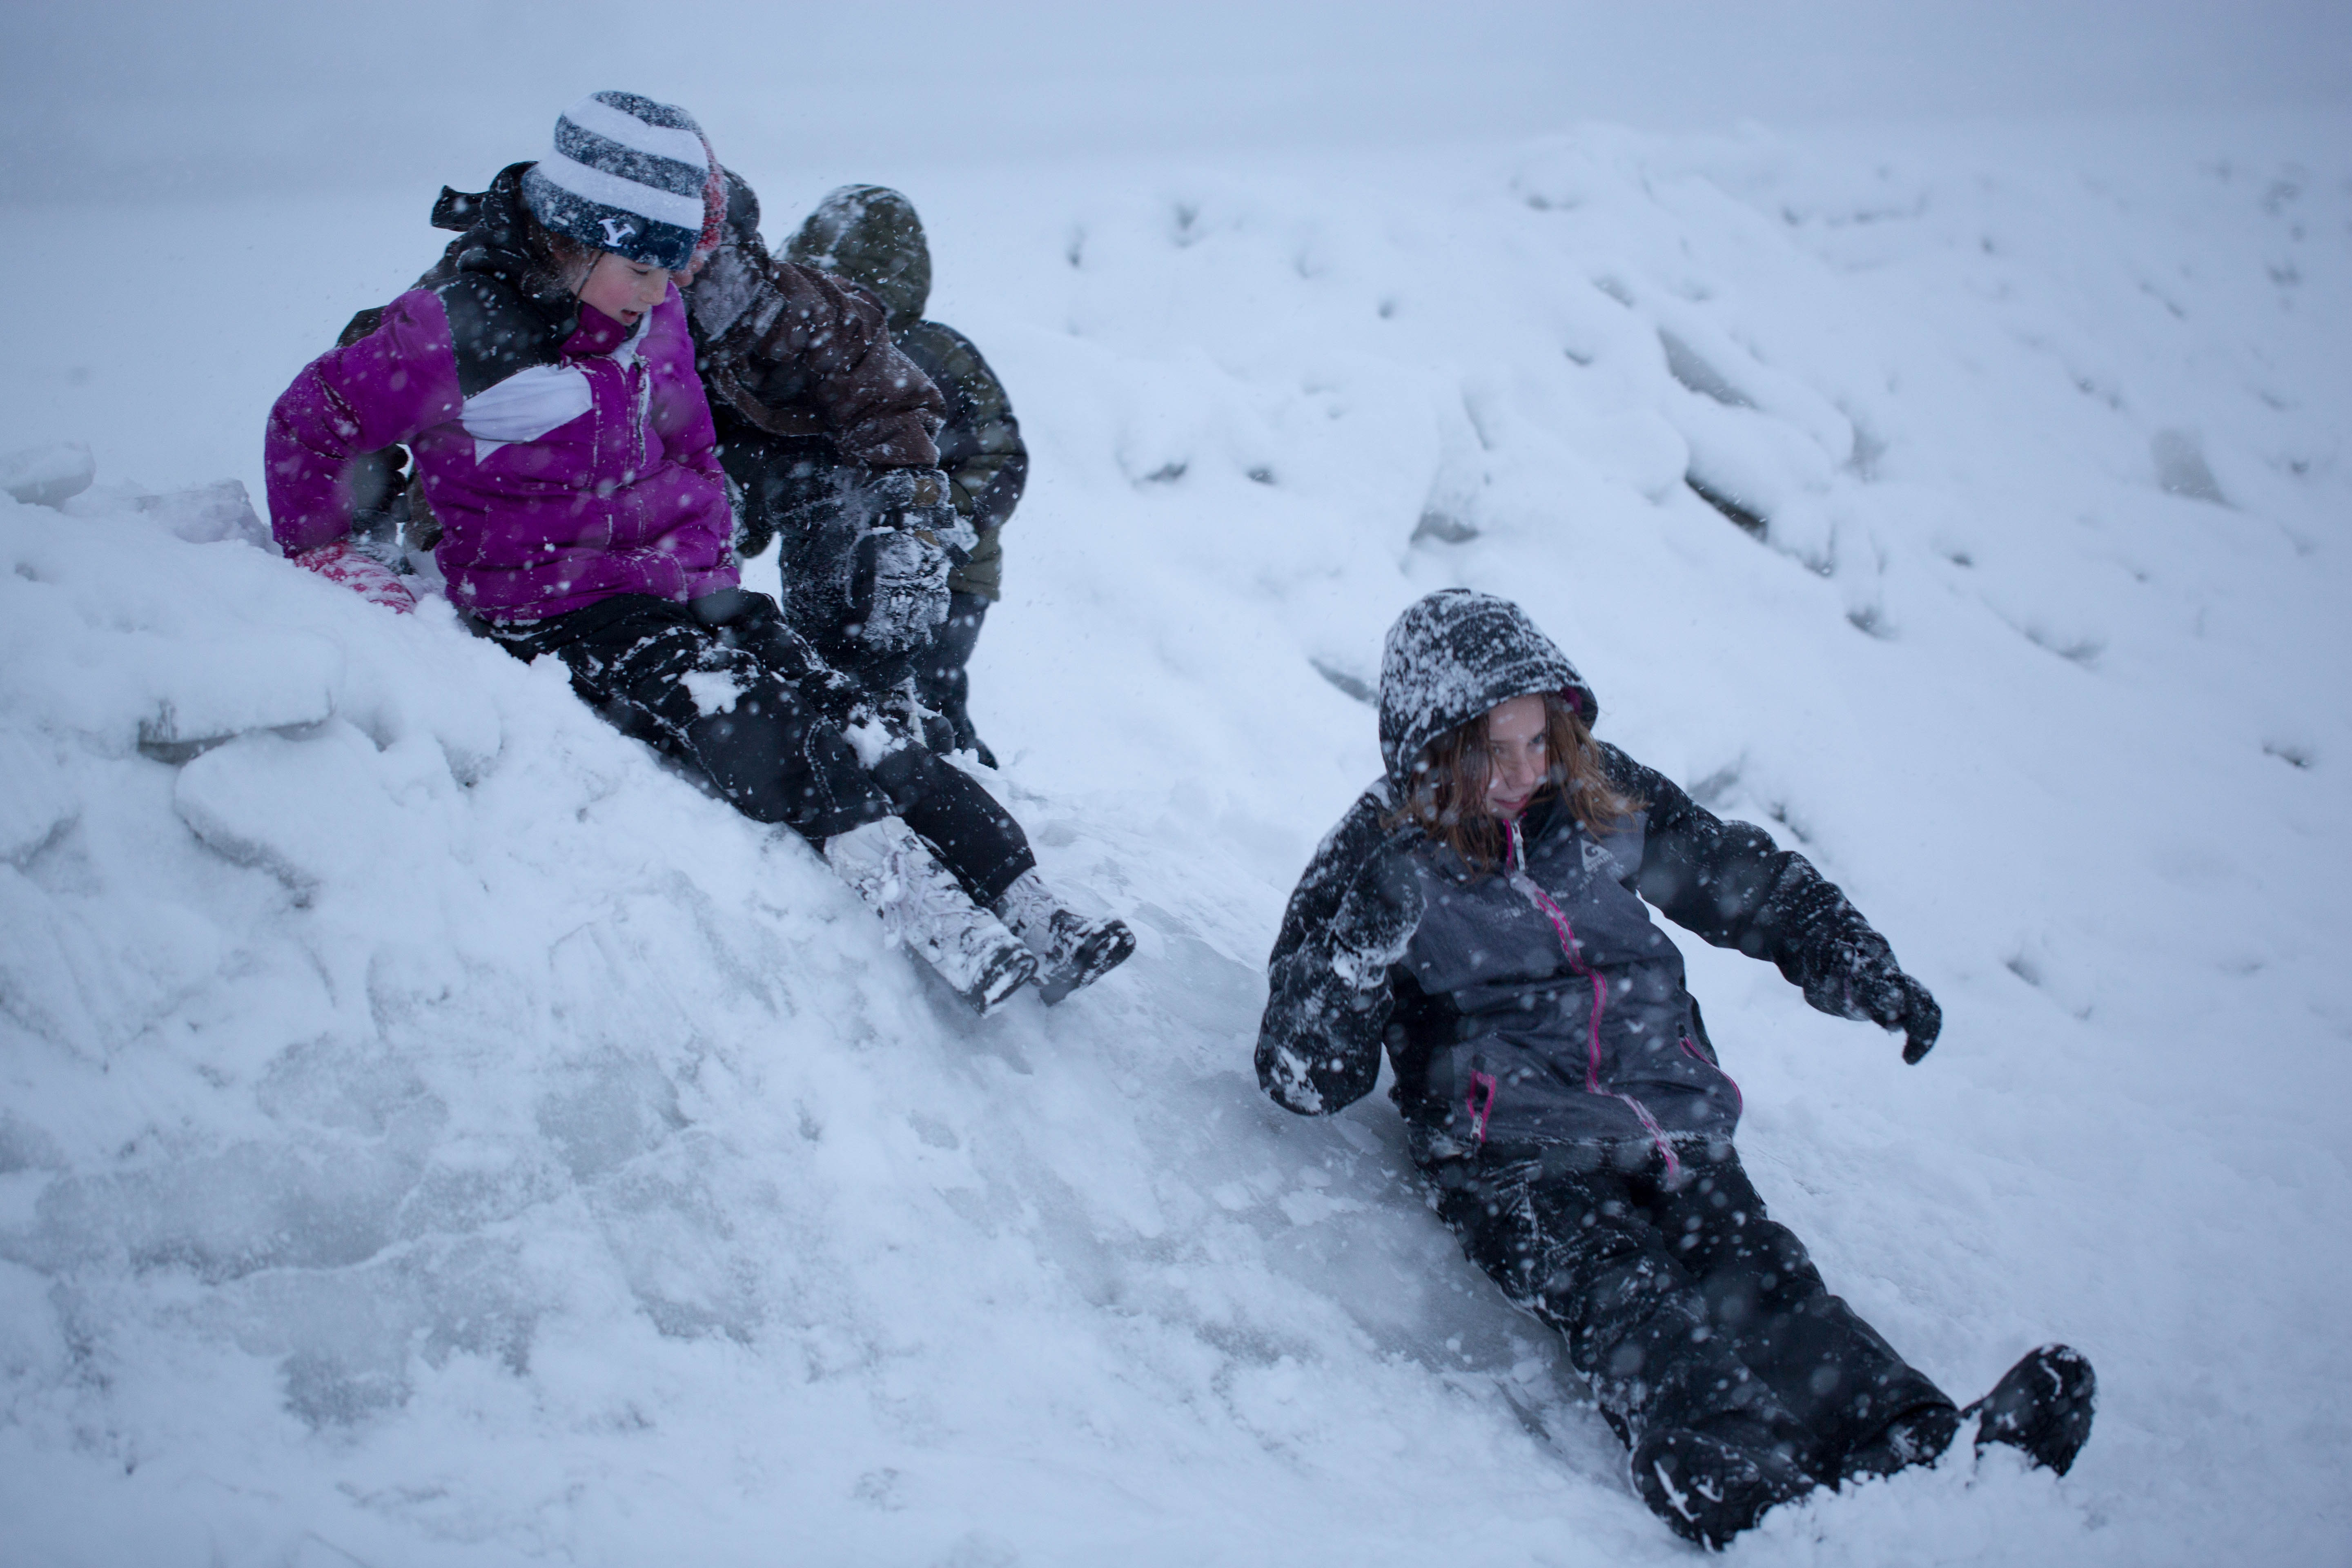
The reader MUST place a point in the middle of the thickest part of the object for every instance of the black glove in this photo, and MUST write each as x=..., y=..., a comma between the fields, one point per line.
x=898, y=592
x=1376, y=919
x=1872, y=986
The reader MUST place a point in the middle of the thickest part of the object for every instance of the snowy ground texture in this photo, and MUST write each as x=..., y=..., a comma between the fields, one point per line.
x=433, y=1132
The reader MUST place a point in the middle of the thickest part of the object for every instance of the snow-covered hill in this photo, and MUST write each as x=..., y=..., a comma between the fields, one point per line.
x=431, y=1131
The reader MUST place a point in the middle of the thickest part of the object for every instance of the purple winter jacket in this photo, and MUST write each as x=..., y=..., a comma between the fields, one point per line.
x=585, y=474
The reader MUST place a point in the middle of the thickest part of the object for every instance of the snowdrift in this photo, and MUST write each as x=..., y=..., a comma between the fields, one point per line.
x=433, y=1131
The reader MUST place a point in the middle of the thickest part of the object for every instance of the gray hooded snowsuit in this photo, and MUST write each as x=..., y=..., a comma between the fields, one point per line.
x=1558, y=1086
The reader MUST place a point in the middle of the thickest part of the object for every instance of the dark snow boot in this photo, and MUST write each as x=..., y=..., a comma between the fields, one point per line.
x=1708, y=1489
x=2044, y=1405
x=1072, y=950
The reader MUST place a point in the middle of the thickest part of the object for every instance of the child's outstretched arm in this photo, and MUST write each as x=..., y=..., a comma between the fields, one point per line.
x=1732, y=885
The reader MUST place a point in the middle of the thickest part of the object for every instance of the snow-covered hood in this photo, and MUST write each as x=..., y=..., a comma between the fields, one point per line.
x=870, y=235
x=1451, y=657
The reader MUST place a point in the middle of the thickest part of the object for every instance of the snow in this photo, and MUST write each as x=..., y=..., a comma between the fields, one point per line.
x=434, y=1131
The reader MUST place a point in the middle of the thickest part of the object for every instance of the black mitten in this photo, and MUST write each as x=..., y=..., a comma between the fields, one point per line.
x=1907, y=1006
x=1869, y=984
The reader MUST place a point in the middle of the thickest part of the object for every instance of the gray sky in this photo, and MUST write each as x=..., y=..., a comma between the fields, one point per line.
x=140, y=96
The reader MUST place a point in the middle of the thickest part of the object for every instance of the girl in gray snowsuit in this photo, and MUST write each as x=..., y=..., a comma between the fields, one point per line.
x=1483, y=912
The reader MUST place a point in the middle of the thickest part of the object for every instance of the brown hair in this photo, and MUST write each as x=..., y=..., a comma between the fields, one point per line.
x=568, y=260
x=1448, y=800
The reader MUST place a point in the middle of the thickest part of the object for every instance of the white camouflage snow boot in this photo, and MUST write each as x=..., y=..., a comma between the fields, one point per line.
x=1072, y=951
x=923, y=905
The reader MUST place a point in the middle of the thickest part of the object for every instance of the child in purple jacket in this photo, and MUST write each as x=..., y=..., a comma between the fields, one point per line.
x=548, y=391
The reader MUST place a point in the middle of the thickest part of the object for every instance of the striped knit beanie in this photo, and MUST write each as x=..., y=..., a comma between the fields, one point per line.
x=630, y=177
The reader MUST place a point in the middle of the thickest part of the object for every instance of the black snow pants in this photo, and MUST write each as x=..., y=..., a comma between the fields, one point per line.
x=724, y=687
x=941, y=679
x=1685, y=1305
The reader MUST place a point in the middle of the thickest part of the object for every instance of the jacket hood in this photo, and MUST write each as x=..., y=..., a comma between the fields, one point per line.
x=1452, y=657
x=497, y=238
x=870, y=235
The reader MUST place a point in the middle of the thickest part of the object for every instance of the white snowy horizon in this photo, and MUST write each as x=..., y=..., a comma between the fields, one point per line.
x=432, y=1130
x=158, y=99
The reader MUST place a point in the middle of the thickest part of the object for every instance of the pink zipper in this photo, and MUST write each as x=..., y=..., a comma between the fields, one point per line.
x=1569, y=945
x=1480, y=1101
